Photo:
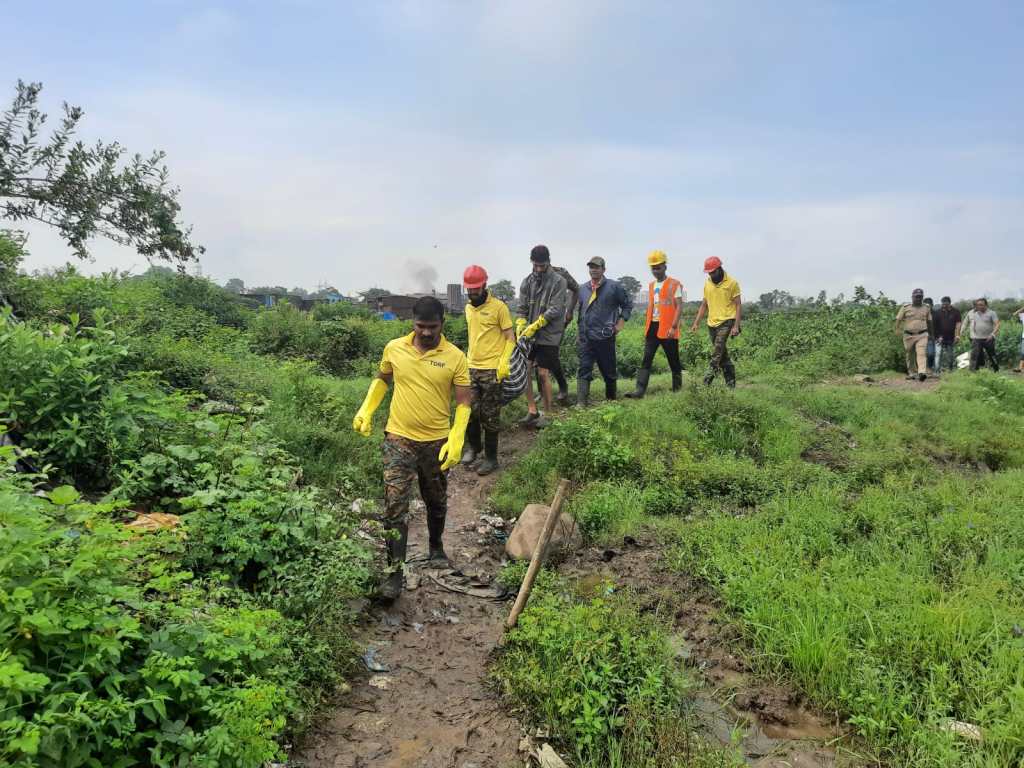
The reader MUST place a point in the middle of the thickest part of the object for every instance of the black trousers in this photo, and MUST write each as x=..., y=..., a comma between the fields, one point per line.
x=980, y=348
x=671, y=347
x=601, y=352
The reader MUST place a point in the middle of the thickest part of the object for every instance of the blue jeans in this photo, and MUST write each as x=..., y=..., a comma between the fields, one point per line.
x=945, y=356
x=930, y=354
x=601, y=352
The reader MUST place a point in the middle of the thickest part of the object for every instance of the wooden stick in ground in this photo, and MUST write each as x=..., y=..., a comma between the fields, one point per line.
x=538, y=553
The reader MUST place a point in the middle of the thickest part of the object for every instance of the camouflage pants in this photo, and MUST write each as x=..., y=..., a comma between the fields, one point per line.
x=407, y=461
x=486, y=399
x=720, y=360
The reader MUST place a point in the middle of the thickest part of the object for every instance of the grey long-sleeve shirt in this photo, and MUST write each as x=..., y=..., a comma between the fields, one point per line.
x=544, y=294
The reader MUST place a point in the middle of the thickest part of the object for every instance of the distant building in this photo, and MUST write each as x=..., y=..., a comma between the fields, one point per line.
x=397, y=306
x=329, y=296
x=456, y=298
x=263, y=299
x=268, y=299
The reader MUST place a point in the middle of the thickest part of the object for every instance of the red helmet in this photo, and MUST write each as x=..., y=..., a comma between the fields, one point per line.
x=474, y=277
x=711, y=263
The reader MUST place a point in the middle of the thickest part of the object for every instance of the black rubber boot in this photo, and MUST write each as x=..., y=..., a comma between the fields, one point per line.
x=435, y=528
x=582, y=393
x=471, y=451
x=490, y=462
x=610, y=389
x=397, y=546
x=643, y=377
x=677, y=382
x=730, y=377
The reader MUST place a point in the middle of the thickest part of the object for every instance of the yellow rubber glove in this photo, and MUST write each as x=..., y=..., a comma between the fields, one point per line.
x=363, y=422
x=535, y=326
x=451, y=452
x=520, y=324
x=504, y=364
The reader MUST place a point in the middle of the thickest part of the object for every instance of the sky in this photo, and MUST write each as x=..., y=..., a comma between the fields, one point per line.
x=810, y=145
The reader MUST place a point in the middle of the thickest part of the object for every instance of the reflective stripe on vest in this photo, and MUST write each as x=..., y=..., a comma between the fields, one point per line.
x=666, y=308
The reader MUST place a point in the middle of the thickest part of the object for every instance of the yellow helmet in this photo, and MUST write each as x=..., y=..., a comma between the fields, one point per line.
x=656, y=257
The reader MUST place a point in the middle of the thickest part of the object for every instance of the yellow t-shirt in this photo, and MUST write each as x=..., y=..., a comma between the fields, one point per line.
x=720, y=300
x=421, y=402
x=486, y=323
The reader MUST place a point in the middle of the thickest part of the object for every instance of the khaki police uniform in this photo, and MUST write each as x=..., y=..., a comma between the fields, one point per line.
x=915, y=322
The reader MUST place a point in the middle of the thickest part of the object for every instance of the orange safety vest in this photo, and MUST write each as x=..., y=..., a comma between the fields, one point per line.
x=666, y=308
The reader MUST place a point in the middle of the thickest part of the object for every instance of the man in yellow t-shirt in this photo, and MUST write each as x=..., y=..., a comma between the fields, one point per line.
x=724, y=308
x=491, y=342
x=419, y=444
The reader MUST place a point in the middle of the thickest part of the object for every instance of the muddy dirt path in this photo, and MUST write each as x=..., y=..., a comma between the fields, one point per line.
x=425, y=702
x=429, y=704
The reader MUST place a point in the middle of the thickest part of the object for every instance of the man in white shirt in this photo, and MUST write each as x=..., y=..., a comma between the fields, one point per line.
x=983, y=324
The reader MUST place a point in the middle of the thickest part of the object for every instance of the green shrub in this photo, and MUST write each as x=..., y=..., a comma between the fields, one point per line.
x=513, y=572
x=311, y=417
x=183, y=291
x=340, y=310
x=284, y=331
x=342, y=345
x=606, y=508
x=587, y=449
x=12, y=251
x=63, y=391
x=585, y=669
x=115, y=658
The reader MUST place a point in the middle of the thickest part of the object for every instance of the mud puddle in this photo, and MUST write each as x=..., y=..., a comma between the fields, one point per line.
x=424, y=699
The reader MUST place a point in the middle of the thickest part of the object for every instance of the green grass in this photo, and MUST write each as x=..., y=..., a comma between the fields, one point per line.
x=867, y=542
x=603, y=679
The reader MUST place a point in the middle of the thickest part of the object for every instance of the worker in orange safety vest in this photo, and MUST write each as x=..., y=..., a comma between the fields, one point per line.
x=664, y=312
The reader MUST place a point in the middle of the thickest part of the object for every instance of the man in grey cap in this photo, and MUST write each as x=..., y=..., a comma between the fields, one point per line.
x=604, y=309
x=914, y=323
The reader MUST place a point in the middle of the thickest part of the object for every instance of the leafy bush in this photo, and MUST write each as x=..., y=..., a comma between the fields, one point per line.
x=63, y=292
x=197, y=293
x=602, y=678
x=284, y=331
x=587, y=449
x=342, y=346
x=340, y=310
x=62, y=392
x=12, y=251
x=606, y=507
x=114, y=657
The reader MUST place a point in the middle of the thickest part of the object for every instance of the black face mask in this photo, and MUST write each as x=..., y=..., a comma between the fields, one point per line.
x=476, y=302
x=717, y=276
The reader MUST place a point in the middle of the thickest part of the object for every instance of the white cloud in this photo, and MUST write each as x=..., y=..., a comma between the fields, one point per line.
x=285, y=193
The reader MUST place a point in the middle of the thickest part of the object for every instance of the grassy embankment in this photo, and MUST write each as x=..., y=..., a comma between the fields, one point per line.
x=867, y=542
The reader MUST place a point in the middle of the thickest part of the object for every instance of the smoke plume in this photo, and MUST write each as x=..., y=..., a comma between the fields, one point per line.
x=422, y=275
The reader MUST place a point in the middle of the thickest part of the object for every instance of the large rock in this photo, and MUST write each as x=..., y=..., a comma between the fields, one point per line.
x=521, y=543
